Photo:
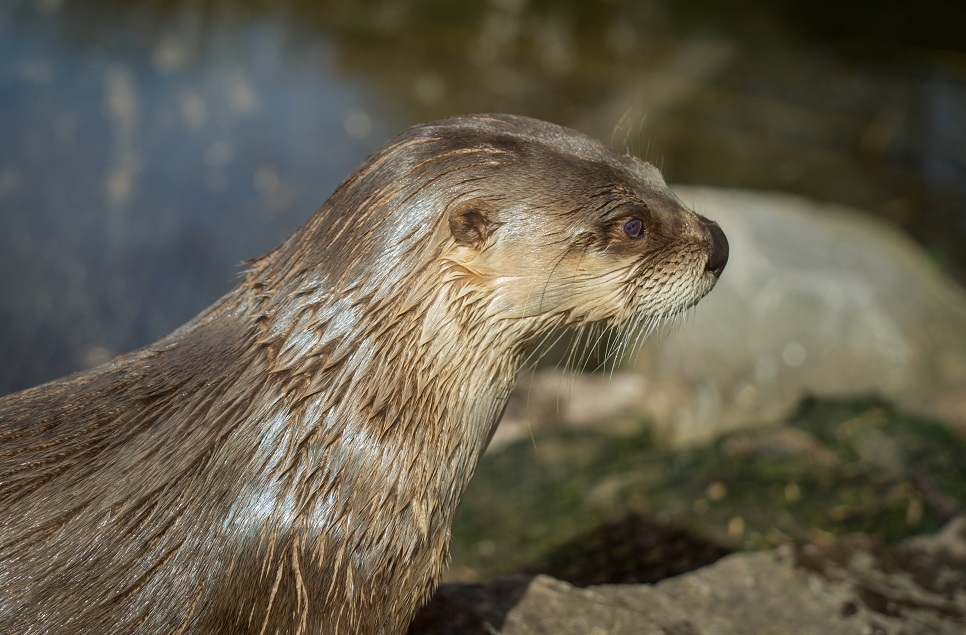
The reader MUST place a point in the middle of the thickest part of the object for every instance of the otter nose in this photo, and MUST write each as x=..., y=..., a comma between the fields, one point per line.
x=718, y=254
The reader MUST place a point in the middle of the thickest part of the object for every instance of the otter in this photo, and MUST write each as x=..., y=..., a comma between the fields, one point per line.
x=290, y=460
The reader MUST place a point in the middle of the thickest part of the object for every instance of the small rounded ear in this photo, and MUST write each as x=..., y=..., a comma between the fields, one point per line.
x=470, y=224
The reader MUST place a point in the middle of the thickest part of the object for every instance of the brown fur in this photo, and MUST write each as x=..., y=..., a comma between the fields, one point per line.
x=290, y=461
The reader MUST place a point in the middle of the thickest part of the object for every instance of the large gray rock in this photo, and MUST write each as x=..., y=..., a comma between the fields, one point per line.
x=816, y=298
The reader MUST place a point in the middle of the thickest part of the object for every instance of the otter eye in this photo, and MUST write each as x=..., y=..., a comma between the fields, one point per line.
x=634, y=227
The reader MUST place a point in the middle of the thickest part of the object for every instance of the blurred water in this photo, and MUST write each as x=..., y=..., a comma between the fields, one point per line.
x=136, y=174
x=146, y=149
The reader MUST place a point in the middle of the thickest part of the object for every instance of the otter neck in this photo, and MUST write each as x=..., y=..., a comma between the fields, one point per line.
x=360, y=456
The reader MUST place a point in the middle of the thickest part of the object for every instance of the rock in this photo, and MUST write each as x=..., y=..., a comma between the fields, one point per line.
x=816, y=299
x=850, y=587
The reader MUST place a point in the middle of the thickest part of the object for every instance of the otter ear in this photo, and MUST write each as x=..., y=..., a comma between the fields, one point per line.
x=470, y=224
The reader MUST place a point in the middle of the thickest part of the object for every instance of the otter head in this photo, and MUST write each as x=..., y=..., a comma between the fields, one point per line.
x=559, y=230
x=510, y=224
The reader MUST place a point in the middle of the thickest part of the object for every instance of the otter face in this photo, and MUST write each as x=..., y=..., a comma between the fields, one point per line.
x=567, y=232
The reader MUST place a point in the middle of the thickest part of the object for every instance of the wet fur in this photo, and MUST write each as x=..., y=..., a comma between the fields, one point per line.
x=291, y=460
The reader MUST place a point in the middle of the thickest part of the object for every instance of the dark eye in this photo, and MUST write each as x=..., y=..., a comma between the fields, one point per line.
x=634, y=227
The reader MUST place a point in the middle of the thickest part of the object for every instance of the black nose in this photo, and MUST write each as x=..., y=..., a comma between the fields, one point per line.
x=718, y=256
